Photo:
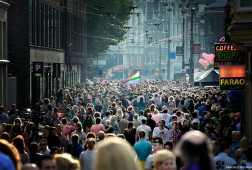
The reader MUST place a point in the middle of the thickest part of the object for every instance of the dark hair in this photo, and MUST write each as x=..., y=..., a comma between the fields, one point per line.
x=33, y=148
x=224, y=145
x=98, y=120
x=64, y=121
x=55, y=150
x=6, y=136
x=169, y=144
x=121, y=136
x=91, y=135
x=130, y=124
x=90, y=143
x=18, y=142
x=42, y=158
x=198, y=153
x=141, y=133
x=144, y=121
x=157, y=140
x=75, y=138
x=107, y=113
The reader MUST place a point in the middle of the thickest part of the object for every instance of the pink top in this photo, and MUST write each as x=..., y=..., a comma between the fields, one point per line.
x=65, y=132
x=156, y=118
x=96, y=128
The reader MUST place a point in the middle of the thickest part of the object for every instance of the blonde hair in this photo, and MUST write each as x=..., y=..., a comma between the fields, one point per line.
x=66, y=161
x=161, y=156
x=119, y=112
x=119, y=155
x=113, y=119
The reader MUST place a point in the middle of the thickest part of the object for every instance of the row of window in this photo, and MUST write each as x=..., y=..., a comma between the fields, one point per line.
x=45, y=26
x=3, y=41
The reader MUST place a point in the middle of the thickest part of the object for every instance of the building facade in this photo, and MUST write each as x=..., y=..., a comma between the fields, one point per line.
x=3, y=53
x=240, y=30
x=46, y=46
x=214, y=26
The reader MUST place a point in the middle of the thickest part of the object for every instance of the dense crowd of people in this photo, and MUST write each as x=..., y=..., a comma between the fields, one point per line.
x=154, y=125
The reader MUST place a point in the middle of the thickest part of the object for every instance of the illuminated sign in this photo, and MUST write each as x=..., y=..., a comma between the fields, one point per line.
x=232, y=71
x=232, y=77
x=232, y=83
x=225, y=52
x=38, y=69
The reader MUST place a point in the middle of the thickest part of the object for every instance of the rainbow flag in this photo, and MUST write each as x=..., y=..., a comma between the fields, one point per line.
x=135, y=79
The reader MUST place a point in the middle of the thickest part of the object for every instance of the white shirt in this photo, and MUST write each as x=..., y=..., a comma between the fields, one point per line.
x=147, y=130
x=157, y=132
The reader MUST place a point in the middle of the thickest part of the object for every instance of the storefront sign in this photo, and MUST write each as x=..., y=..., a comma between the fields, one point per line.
x=232, y=77
x=225, y=52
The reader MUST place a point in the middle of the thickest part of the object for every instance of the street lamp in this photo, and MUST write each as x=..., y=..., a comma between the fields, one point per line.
x=169, y=41
x=159, y=50
x=191, y=59
x=193, y=8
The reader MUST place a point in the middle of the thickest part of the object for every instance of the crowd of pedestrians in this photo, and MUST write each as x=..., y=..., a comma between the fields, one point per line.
x=153, y=125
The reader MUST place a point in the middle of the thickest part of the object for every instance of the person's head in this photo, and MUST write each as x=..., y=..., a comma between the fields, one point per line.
x=19, y=143
x=127, y=116
x=18, y=121
x=113, y=119
x=101, y=135
x=64, y=121
x=98, y=120
x=30, y=166
x=107, y=113
x=75, y=119
x=135, y=116
x=55, y=150
x=46, y=162
x=91, y=135
x=43, y=144
x=141, y=134
x=11, y=151
x=120, y=136
x=236, y=136
x=164, y=160
x=75, y=138
x=162, y=123
x=90, y=143
x=168, y=145
x=157, y=143
x=144, y=121
x=66, y=161
x=79, y=127
x=6, y=136
x=225, y=147
x=194, y=147
x=33, y=148
x=174, y=125
x=119, y=155
x=130, y=125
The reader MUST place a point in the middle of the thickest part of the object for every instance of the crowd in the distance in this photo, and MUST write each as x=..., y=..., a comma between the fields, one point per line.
x=106, y=126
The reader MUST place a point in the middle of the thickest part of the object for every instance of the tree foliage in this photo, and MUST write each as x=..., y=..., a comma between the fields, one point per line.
x=105, y=24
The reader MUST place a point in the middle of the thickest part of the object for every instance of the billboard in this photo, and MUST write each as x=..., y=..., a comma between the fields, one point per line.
x=232, y=77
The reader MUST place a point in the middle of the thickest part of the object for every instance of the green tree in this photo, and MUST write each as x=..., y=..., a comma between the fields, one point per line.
x=105, y=24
